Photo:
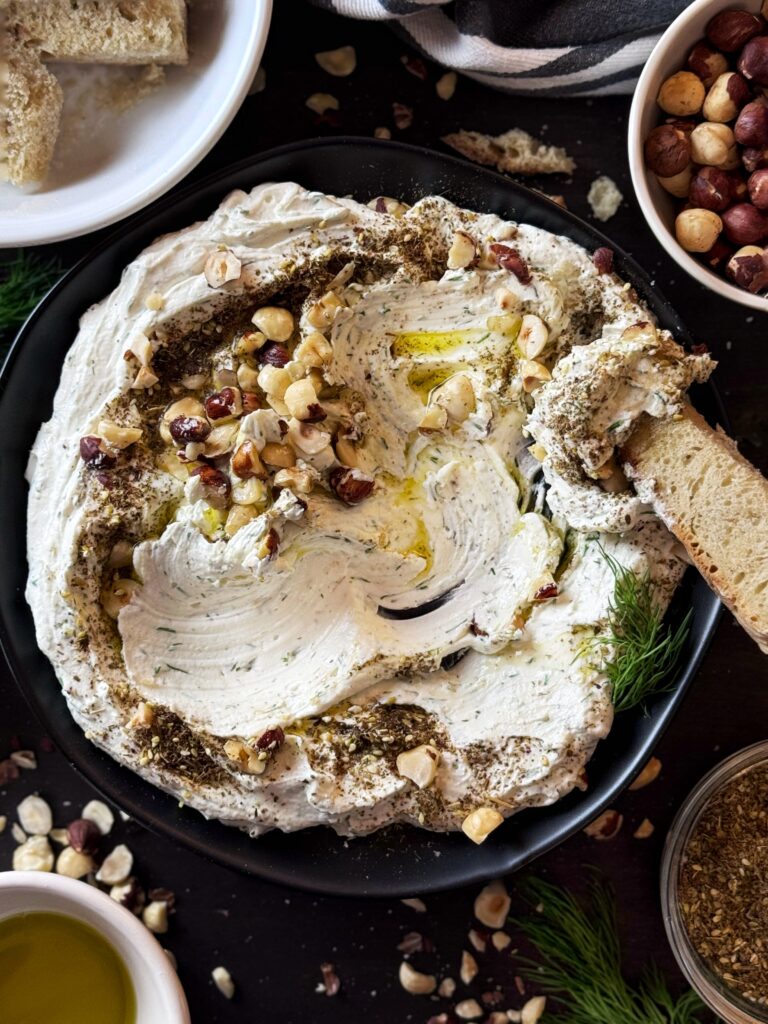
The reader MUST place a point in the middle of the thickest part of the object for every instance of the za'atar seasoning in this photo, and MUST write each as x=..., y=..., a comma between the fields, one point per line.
x=723, y=887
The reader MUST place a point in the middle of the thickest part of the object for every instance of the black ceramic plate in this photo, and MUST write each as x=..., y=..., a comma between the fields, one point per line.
x=399, y=861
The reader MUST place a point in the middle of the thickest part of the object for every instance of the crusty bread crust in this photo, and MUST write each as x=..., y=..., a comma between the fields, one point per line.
x=107, y=31
x=715, y=502
x=32, y=110
x=514, y=152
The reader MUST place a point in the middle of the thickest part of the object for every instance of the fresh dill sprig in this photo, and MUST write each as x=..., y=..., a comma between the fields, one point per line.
x=640, y=651
x=579, y=962
x=23, y=282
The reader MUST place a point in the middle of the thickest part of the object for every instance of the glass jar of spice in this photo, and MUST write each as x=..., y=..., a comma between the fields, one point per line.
x=714, y=887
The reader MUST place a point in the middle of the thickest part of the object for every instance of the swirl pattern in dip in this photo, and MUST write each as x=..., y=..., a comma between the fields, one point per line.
x=290, y=550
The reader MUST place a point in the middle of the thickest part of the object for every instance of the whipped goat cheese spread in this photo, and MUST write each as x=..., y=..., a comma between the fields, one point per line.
x=315, y=536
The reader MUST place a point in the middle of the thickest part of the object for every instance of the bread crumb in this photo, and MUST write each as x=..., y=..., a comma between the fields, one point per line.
x=514, y=152
x=604, y=197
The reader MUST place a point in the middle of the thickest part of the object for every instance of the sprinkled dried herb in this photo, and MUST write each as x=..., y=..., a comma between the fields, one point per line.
x=723, y=888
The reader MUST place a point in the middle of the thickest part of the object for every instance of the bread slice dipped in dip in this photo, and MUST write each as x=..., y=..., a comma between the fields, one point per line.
x=305, y=548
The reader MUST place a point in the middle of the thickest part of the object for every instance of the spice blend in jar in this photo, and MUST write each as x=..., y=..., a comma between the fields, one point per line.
x=723, y=884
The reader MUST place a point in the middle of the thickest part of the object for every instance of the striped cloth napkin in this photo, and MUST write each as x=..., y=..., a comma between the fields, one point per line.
x=542, y=47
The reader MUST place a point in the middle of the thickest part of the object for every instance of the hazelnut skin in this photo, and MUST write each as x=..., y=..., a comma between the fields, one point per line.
x=706, y=62
x=753, y=62
x=727, y=96
x=744, y=224
x=757, y=186
x=677, y=184
x=711, y=189
x=697, y=229
x=754, y=159
x=748, y=268
x=730, y=30
x=667, y=151
x=751, y=128
x=714, y=145
x=681, y=94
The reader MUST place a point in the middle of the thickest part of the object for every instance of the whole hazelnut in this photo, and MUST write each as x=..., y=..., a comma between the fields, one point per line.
x=706, y=62
x=711, y=189
x=677, y=184
x=727, y=96
x=753, y=62
x=748, y=268
x=757, y=186
x=751, y=128
x=681, y=94
x=744, y=225
x=714, y=145
x=667, y=150
x=729, y=30
x=754, y=158
x=697, y=229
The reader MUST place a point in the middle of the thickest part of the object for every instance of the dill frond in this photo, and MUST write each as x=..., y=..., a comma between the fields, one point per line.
x=23, y=282
x=579, y=962
x=640, y=651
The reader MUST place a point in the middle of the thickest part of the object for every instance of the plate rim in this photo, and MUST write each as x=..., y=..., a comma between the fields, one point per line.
x=17, y=234
x=99, y=769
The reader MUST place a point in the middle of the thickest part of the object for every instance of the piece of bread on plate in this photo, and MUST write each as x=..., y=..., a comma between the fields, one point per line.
x=715, y=502
x=29, y=112
x=514, y=152
x=105, y=31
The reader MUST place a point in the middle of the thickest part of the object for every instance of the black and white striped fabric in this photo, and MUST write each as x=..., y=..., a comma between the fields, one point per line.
x=546, y=47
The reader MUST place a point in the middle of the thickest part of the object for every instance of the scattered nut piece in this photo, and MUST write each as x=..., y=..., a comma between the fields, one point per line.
x=351, y=485
x=222, y=979
x=533, y=374
x=492, y=905
x=220, y=267
x=457, y=396
x=73, y=863
x=314, y=350
x=319, y=102
x=644, y=830
x=468, y=1009
x=415, y=904
x=648, y=775
x=533, y=336
x=3, y=822
x=339, y=63
x=83, y=835
x=322, y=313
x=469, y=968
x=445, y=86
x=606, y=826
x=18, y=833
x=58, y=835
x=446, y=988
x=477, y=940
x=155, y=916
x=419, y=764
x=35, y=816
x=281, y=455
x=402, y=116
x=116, y=866
x=434, y=417
x=144, y=379
x=35, y=854
x=101, y=816
x=119, y=437
x=382, y=133
x=331, y=980
x=275, y=324
x=500, y=941
x=479, y=823
x=533, y=1009
x=462, y=251
x=300, y=481
x=415, y=982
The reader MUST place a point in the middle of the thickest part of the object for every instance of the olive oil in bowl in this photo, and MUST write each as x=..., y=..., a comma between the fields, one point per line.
x=56, y=969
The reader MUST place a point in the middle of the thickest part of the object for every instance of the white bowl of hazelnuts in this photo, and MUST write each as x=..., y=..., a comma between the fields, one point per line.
x=698, y=146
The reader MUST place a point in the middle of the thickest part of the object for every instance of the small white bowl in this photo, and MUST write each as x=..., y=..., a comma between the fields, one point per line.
x=658, y=207
x=108, y=164
x=159, y=995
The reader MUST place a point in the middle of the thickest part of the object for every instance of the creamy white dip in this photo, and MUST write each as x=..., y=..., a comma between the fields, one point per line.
x=269, y=669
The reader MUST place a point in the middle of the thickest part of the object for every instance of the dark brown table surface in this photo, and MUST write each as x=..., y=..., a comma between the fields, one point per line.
x=273, y=940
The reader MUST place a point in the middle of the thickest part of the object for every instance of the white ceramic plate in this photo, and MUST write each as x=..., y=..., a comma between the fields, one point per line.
x=111, y=162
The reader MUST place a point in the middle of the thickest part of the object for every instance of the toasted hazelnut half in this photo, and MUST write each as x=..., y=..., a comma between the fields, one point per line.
x=419, y=764
x=479, y=823
x=275, y=324
x=492, y=905
x=414, y=982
